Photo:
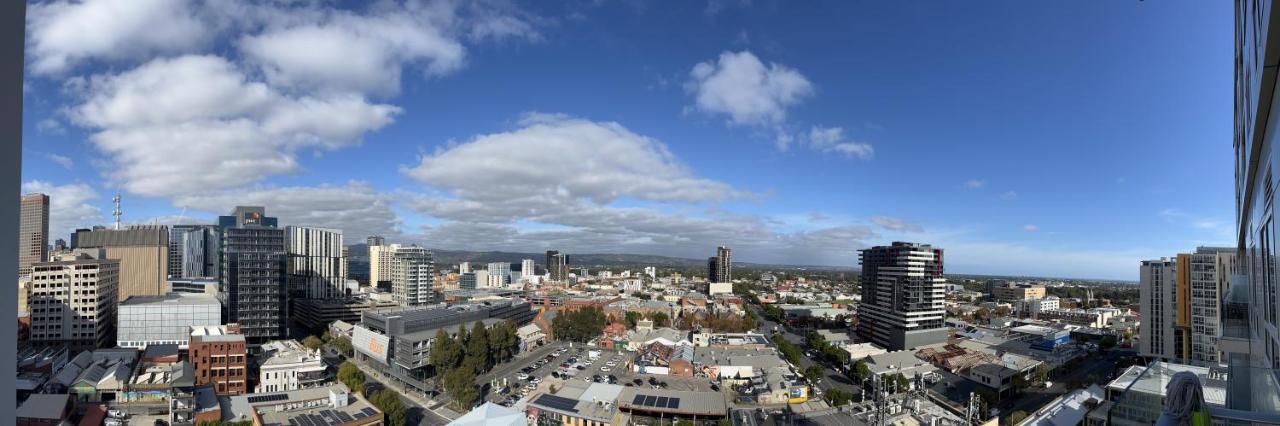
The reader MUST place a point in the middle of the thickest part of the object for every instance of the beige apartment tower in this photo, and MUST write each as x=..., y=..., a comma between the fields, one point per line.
x=33, y=231
x=72, y=301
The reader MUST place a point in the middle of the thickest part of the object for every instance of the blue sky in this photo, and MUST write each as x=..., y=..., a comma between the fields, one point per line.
x=1042, y=139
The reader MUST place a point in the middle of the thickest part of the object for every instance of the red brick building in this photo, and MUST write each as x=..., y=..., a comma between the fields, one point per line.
x=219, y=357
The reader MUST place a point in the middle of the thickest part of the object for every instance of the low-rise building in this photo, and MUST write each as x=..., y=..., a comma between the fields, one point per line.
x=45, y=410
x=1068, y=409
x=315, y=314
x=164, y=319
x=219, y=357
x=578, y=403
x=327, y=405
x=286, y=365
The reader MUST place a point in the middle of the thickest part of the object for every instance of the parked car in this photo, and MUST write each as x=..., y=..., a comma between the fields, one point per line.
x=117, y=414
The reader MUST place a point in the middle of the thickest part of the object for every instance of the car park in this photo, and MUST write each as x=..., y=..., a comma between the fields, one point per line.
x=604, y=369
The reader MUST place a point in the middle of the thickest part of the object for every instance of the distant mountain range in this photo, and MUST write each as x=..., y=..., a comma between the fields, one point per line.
x=451, y=257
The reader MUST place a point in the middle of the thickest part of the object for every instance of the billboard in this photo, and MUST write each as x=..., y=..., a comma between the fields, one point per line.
x=370, y=343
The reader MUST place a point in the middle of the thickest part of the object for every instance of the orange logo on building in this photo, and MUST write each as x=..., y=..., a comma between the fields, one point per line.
x=374, y=346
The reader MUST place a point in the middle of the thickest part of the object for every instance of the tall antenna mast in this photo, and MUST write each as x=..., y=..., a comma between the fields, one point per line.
x=116, y=200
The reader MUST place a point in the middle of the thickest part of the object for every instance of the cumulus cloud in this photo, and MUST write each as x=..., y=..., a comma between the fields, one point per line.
x=975, y=183
x=896, y=224
x=63, y=33
x=1010, y=195
x=544, y=159
x=70, y=206
x=496, y=192
x=355, y=53
x=832, y=139
x=747, y=90
x=195, y=123
x=1030, y=228
x=356, y=208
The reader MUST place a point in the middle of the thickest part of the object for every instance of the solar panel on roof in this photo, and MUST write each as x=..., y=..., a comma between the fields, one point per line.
x=344, y=417
x=558, y=403
x=360, y=415
x=369, y=411
x=649, y=400
x=305, y=421
x=673, y=403
x=661, y=403
x=639, y=400
x=267, y=398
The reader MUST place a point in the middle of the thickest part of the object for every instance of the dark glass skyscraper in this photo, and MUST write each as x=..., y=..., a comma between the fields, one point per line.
x=253, y=276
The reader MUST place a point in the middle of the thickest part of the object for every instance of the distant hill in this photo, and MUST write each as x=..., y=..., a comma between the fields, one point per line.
x=451, y=257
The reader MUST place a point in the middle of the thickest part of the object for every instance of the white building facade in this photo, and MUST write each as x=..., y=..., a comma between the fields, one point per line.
x=317, y=264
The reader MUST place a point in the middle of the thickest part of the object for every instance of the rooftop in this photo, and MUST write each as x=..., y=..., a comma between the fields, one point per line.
x=171, y=299
x=1154, y=378
x=44, y=406
x=322, y=406
x=1068, y=409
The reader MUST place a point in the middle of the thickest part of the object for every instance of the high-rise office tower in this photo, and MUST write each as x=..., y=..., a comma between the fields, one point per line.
x=253, y=274
x=33, y=231
x=1251, y=318
x=467, y=281
x=713, y=267
x=1157, y=289
x=375, y=240
x=724, y=265
x=143, y=252
x=902, y=295
x=200, y=252
x=72, y=301
x=527, y=269
x=557, y=266
x=59, y=244
x=499, y=274
x=179, y=249
x=464, y=267
x=380, y=261
x=316, y=267
x=412, y=276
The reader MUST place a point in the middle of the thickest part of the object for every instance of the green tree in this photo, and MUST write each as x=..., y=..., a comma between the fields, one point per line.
x=837, y=397
x=312, y=342
x=391, y=405
x=580, y=325
x=631, y=317
x=988, y=396
x=1108, y=343
x=445, y=353
x=1017, y=417
x=342, y=344
x=861, y=370
x=502, y=342
x=814, y=373
x=660, y=319
x=459, y=384
x=478, y=348
x=351, y=376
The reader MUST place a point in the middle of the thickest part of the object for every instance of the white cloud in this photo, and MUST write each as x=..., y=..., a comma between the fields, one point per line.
x=544, y=158
x=495, y=192
x=742, y=87
x=831, y=139
x=61, y=160
x=975, y=183
x=1010, y=195
x=1030, y=228
x=356, y=208
x=70, y=206
x=196, y=123
x=51, y=126
x=895, y=224
x=353, y=53
x=63, y=33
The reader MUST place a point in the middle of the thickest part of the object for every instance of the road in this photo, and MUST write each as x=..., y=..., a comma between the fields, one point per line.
x=416, y=413
x=1100, y=365
x=832, y=379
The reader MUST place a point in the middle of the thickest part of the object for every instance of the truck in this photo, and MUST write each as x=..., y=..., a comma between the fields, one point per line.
x=593, y=355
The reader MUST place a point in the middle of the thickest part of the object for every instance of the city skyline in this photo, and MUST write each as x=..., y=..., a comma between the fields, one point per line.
x=791, y=147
